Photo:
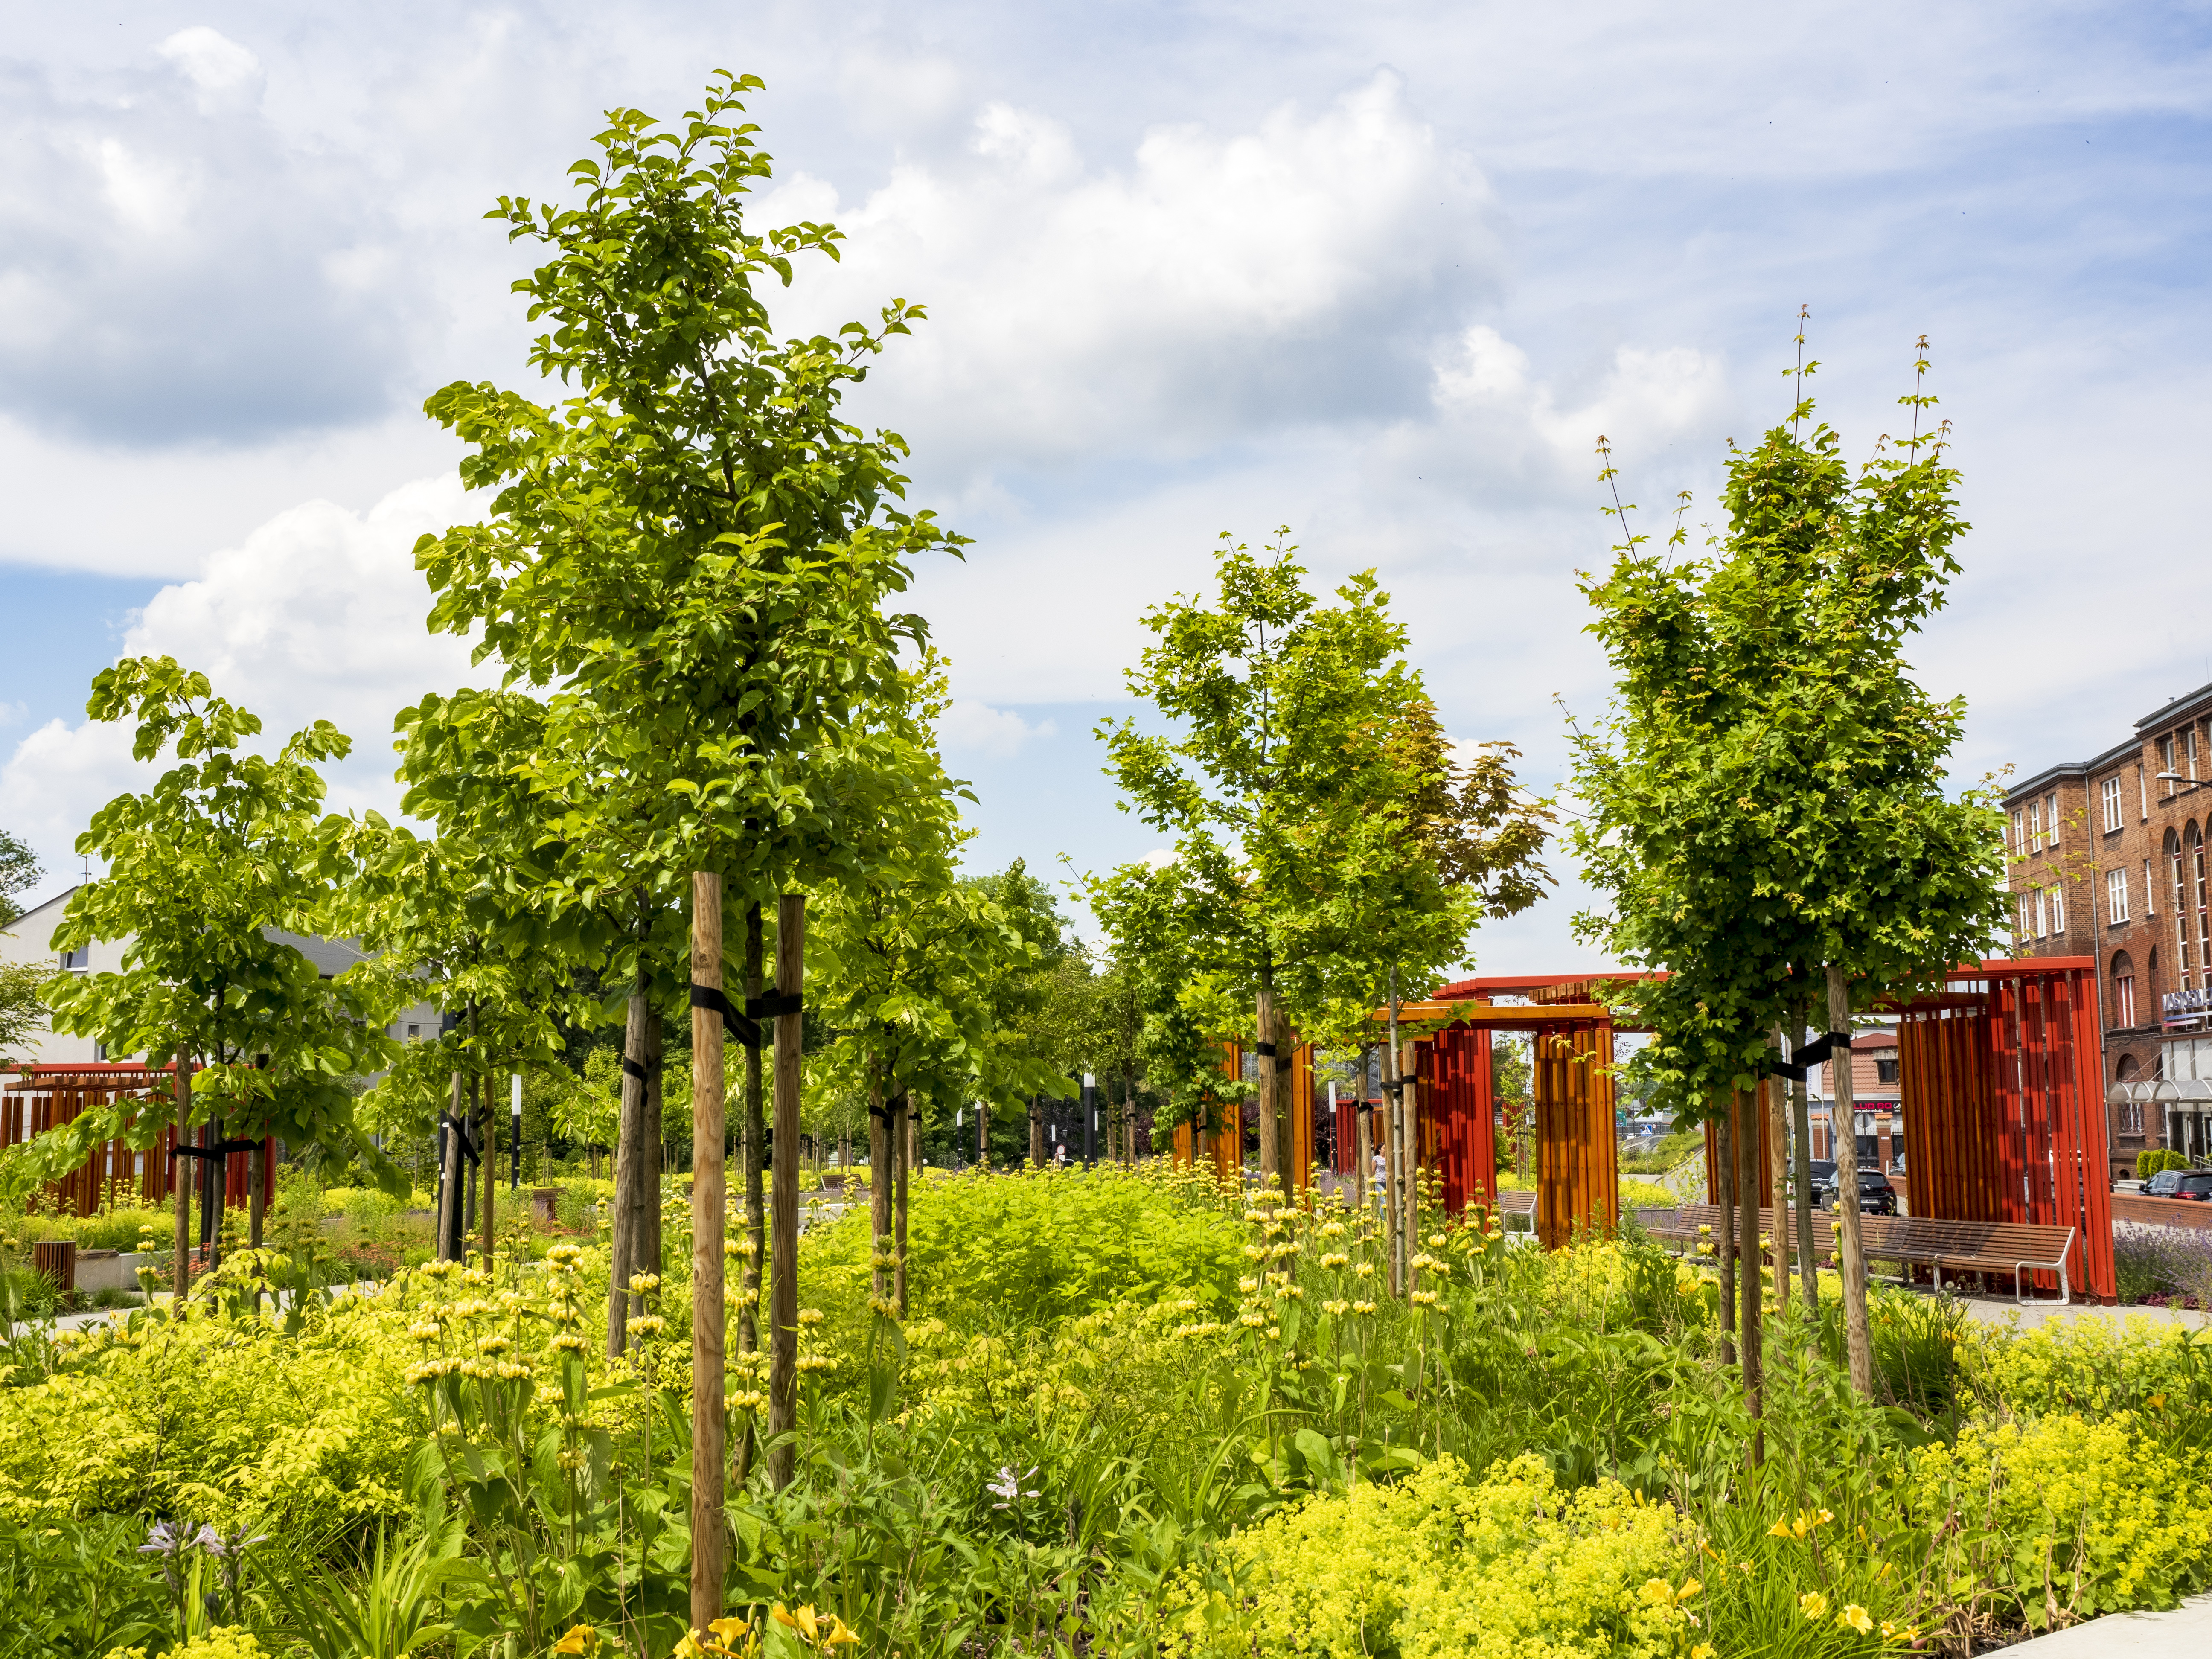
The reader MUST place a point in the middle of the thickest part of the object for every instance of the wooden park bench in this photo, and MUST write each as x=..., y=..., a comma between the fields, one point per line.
x=1682, y=1224
x=1973, y=1247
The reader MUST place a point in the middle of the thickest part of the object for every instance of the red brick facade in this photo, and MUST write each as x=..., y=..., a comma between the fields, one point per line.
x=2108, y=860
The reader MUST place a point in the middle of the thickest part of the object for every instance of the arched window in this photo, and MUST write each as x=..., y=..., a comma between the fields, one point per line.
x=2181, y=961
x=2197, y=893
x=2122, y=1006
x=2128, y=1117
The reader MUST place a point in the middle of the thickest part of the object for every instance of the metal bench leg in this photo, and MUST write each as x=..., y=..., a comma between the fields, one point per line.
x=2020, y=1291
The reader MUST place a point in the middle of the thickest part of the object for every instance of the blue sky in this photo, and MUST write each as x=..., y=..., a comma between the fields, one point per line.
x=1383, y=273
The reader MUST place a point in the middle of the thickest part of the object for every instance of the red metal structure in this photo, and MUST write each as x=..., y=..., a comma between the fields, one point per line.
x=47, y=1097
x=1998, y=1078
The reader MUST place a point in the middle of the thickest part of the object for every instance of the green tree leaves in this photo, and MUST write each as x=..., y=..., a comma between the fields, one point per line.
x=1768, y=795
x=207, y=873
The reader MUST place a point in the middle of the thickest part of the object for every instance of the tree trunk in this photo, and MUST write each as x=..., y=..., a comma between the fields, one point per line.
x=629, y=1131
x=645, y=1256
x=879, y=1194
x=1802, y=1115
x=783, y=1318
x=1393, y=1150
x=1409, y=1160
x=257, y=1195
x=1037, y=1131
x=1777, y=1178
x=913, y=1135
x=1844, y=1131
x=901, y=1142
x=1363, y=1135
x=1752, y=1319
x=1725, y=1246
x=756, y=1132
x=1263, y=1028
x=983, y=1135
x=182, y=1173
x=487, y=1141
x=709, y=1429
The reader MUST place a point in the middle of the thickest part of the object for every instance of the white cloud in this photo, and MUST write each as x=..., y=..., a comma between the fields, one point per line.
x=976, y=728
x=1210, y=282
x=318, y=614
x=212, y=62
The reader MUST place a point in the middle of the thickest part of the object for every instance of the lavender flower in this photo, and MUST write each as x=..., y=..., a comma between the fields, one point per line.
x=1008, y=1485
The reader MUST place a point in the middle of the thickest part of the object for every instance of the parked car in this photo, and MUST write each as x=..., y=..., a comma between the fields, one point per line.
x=2179, y=1183
x=1876, y=1196
x=2190, y=1183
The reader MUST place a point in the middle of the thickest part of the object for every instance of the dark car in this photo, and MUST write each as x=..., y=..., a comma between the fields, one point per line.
x=1876, y=1196
x=2180, y=1183
x=2193, y=1184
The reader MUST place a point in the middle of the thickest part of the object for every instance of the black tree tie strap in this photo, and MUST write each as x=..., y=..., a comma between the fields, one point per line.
x=710, y=998
x=1799, y=1065
x=1395, y=1085
x=1265, y=1050
x=775, y=1003
x=631, y=1068
x=461, y=1134
x=221, y=1149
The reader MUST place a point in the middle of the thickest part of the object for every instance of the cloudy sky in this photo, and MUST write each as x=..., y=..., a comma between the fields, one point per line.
x=1380, y=272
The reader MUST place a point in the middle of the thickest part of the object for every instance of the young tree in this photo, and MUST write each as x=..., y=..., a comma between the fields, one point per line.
x=1278, y=700
x=696, y=548
x=206, y=871
x=21, y=1006
x=1770, y=820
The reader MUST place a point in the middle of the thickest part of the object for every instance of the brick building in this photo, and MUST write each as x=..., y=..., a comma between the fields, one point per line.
x=2106, y=860
x=1874, y=1099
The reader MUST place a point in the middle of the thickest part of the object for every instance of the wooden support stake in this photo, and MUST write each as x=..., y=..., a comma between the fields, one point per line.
x=1843, y=1131
x=709, y=1429
x=783, y=1309
x=180, y=1276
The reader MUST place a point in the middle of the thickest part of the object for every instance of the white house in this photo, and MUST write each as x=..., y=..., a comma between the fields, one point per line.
x=29, y=938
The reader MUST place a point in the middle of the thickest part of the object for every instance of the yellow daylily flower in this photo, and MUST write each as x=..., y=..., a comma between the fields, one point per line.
x=1855, y=1617
x=839, y=1633
x=1812, y=1605
x=582, y=1639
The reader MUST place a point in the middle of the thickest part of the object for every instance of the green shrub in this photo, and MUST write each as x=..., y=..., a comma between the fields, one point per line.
x=2053, y=1521
x=1440, y=1564
x=221, y=1419
x=2079, y=1366
x=1040, y=1245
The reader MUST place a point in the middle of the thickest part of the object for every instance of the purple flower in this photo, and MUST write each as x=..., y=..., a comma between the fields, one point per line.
x=1008, y=1485
x=160, y=1540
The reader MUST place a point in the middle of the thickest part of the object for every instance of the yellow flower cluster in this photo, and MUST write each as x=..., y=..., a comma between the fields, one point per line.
x=1508, y=1567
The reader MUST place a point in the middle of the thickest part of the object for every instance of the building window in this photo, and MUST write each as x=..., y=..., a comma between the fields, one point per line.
x=2019, y=835
x=1885, y=1071
x=2192, y=754
x=2124, y=1001
x=2166, y=762
x=2150, y=891
x=2111, y=793
x=2130, y=1116
x=2057, y=907
x=2142, y=790
x=2115, y=895
x=2042, y=911
x=2035, y=827
x=2020, y=928
x=2051, y=819
x=78, y=959
x=414, y=1034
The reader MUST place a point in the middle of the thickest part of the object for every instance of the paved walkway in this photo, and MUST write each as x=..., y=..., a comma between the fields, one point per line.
x=2182, y=1632
x=2001, y=1311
